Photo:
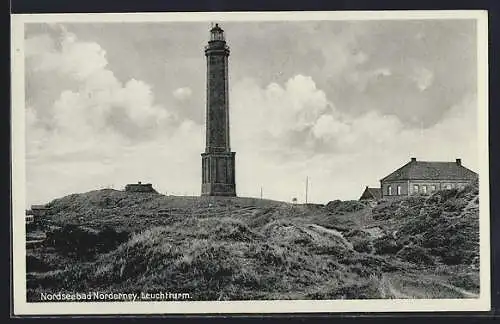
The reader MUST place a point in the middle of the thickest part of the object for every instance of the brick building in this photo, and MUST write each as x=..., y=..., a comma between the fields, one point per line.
x=35, y=213
x=218, y=161
x=139, y=187
x=423, y=177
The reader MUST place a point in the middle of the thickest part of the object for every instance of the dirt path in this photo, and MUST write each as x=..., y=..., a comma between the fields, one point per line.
x=420, y=287
x=389, y=291
x=465, y=293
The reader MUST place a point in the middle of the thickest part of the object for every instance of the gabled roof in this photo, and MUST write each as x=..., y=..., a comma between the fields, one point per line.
x=425, y=170
x=371, y=193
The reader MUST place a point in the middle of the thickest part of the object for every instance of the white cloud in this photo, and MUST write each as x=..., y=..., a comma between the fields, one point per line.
x=327, y=127
x=99, y=92
x=182, y=93
x=345, y=152
x=342, y=54
x=281, y=133
x=423, y=77
x=362, y=78
x=93, y=129
x=75, y=58
x=293, y=107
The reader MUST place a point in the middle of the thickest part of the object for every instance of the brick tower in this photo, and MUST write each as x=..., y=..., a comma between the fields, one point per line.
x=218, y=174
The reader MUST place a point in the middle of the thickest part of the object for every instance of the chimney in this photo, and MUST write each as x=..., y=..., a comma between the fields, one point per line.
x=414, y=159
x=459, y=161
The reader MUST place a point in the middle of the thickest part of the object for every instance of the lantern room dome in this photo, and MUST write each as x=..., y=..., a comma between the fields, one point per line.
x=217, y=33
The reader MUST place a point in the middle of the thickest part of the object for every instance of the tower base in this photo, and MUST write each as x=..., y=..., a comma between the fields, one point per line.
x=218, y=174
x=218, y=189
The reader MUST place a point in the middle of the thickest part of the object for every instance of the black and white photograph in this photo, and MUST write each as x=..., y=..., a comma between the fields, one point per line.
x=250, y=162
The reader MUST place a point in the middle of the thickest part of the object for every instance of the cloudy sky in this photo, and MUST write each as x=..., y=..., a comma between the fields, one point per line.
x=344, y=103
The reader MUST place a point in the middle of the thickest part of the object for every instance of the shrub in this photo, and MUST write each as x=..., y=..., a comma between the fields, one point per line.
x=468, y=281
x=386, y=245
x=365, y=269
x=385, y=210
x=451, y=257
x=262, y=217
x=212, y=261
x=34, y=264
x=453, y=241
x=443, y=195
x=356, y=234
x=454, y=204
x=30, y=227
x=286, y=232
x=84, y=242
x=433, y=211
x=363, y=246
x=51, y=279
x=233, y=230
x=109, y=239
x=333, y=204
x=72, y=239
x=413, y=201
x=415, y=254
x=341, y=207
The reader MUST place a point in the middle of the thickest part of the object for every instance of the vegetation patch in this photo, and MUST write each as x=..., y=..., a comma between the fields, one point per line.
x=245, y=248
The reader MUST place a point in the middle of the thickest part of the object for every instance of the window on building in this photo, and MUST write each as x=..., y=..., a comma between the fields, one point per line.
x=433, y=188
x=424, y=189
x=415, y=189
x=389, y=190
x=399, y=190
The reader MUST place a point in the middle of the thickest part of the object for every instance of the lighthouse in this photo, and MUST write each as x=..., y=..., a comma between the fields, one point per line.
x=218, y=162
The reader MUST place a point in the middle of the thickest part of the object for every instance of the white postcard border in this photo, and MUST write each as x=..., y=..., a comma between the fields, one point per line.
x=21, y=307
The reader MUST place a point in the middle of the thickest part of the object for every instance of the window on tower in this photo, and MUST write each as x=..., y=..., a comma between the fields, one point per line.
x=218, y=36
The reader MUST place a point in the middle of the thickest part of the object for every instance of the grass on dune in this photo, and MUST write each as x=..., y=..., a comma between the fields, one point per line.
x=246, y=248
